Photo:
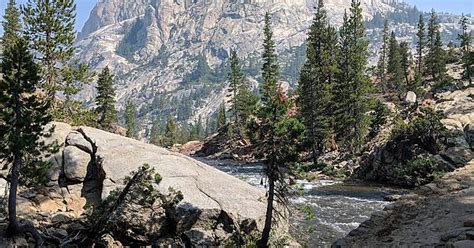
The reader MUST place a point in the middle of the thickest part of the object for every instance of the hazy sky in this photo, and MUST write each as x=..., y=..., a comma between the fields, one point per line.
x=455, y=6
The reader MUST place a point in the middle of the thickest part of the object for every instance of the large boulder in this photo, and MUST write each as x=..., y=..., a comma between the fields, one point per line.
x=76, y=162
x=215, y=205
x=203, y=186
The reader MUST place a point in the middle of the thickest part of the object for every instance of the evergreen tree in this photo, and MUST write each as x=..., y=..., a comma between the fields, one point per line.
x=243, y=103
x=49, y=24
x=316, y=81
x=221, y=117
x=23, y=115
x=272, y=114
x=467, y=57
x=236, y=79
x=171, y=132
x=436, y=59
x=131, y=119
x=383, y=58
x=11, y=25
x=72, y=110
x=155, y=133
x=420, y=46
x=352, y=82
x=394, y=68
x=405, y=56
x=105, y=100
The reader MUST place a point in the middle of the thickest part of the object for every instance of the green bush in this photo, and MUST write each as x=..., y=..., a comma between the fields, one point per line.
x=426, y=130
x=420, y=171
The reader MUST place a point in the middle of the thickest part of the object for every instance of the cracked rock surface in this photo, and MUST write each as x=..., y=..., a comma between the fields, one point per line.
x=91, y=163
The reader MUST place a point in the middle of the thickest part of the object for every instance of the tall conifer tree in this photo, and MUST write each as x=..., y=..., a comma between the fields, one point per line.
x=271, y=112
x=170, y=136
x=395, y=69
x=352, y=82
x=221, y=117
x=23, y=116
x=436, y=58
x=155, y=133
x=316, y=81
x=105, y=100
x=467, y=57
x=131, y=119
x=420, y=45
x=11, y=25
x=405, y=55
x=383, y=58
x=49, y=25
x=240, y=95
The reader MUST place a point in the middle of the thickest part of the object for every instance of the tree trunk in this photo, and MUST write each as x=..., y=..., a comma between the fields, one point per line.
x=13, y=222
x=14, y=227
x=263, y=242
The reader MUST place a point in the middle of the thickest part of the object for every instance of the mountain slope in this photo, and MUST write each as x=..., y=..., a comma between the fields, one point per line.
x=169, y=56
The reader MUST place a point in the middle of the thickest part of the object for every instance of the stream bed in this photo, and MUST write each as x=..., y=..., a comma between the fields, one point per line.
x=331, y=208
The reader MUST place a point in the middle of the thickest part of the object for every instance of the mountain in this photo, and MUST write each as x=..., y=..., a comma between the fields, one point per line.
x=170, y=56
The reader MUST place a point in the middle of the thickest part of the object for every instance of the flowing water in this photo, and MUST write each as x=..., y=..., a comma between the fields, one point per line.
x=331, y=208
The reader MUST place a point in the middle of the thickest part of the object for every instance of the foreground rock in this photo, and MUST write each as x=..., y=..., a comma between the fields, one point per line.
x=92, y=163
x=440, y=214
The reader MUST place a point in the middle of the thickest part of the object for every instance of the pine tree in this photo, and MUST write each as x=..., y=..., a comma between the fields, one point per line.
x=130, y=117
x=49, y=25
x=440, y=54
x=436, y=59
x=271, y=113
x=394, y=68
x=155, y=133
x=350, y=103
x=316, y=80
x=105, y=100
x=171, y=132
x=23, y=115
x=243, y=103
x=405, y=55
x=221, y=117
x=236, y=79
x=72, y=110
x=11, y=25
x=383, y=58
x=466, y=38
x=420, y=46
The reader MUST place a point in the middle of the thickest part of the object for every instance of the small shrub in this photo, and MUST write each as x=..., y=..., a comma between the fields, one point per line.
x=420, y=171
x=426, y=130
x=308, y=211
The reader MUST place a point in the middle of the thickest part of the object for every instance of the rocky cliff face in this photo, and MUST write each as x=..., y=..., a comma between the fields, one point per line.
x=169, y=56
x=155, y=46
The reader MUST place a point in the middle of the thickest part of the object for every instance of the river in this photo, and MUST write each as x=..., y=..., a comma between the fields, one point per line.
x=331, y=208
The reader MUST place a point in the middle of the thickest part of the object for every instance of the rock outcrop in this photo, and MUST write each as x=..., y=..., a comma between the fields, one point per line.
x=440, y=214
x=92, y=163
x=386, y=162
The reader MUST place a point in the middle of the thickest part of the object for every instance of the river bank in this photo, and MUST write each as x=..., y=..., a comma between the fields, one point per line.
x=440, y=214
x=323, y=211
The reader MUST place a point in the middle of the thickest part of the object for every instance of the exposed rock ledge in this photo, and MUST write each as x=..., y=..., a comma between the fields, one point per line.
x=440, y=214
x=208, y=193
